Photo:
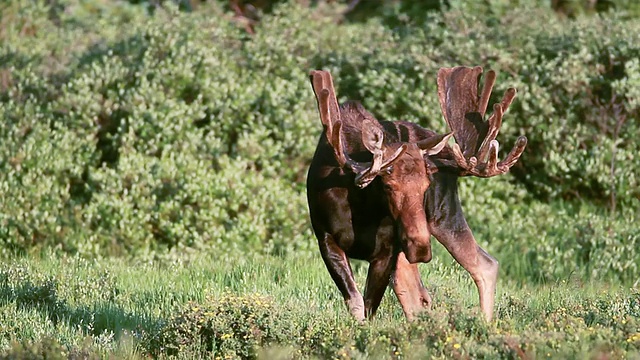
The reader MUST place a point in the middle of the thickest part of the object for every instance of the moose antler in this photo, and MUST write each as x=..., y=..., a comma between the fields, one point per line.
x=372, y=136
x=322, y=84
x=475, y=150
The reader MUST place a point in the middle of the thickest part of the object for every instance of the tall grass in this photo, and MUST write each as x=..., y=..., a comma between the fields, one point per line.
x=291, y=308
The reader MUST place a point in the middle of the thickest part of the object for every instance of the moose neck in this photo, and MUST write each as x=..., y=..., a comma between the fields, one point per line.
x=442, y=202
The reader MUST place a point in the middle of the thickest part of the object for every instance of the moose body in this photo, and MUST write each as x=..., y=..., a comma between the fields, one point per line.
x=378, y=190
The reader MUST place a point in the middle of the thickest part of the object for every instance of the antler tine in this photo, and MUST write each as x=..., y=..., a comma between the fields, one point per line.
x=317, y=80
x=372, y=138
x=325, y=113
x=507, y=98
x=487, y=88
x=338, y=148
x=493, y=157
x=333, y=99
x=459, y=156
x=322, y=97
x=495, y=121
x=322, y=84
x=329, y=113
x=514, y=154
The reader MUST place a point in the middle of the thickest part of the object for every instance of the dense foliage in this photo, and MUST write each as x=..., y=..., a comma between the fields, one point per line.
x=146, y=134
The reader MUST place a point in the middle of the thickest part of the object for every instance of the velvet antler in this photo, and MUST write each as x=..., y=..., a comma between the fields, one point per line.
x=475, y=150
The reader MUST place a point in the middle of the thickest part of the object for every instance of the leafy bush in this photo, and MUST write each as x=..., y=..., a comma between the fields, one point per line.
x=228, y=326
x=147, y=155
x=545, y=242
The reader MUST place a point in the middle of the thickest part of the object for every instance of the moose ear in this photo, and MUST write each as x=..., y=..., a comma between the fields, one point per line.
x=434, y=144
x=372, y=136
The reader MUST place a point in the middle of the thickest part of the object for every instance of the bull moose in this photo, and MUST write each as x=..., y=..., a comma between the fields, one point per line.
x=378, y=190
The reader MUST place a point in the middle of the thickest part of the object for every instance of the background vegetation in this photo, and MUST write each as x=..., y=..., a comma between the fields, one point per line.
x=173, y=132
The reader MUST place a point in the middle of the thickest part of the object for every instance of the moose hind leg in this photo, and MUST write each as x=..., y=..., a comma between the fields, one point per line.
x=482, y=267
x=340, y=269
x=409, y=289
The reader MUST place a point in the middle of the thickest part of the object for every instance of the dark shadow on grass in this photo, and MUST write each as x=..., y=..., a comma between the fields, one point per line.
x=94, y=320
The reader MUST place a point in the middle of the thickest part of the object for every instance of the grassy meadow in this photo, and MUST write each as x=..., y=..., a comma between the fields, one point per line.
x=289, y=308
x=153, y=159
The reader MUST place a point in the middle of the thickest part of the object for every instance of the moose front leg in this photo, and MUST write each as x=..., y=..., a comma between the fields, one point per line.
x=482, y=266
x=448, y=225
x=377, y=281
x=340, y=269
x=408, y=287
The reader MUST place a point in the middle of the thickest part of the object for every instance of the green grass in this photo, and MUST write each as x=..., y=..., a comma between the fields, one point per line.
x=290, y=308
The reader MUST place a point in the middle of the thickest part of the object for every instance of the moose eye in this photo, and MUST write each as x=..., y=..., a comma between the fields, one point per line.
x=388, y=170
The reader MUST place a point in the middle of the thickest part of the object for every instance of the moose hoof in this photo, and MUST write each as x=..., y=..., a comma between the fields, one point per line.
x=356, y=308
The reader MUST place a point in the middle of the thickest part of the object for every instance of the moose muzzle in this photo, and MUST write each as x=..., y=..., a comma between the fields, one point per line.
x=416, y=239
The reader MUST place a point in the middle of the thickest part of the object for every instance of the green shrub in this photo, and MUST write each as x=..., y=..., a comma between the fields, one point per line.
x=129, y=132
x=227, y=326
x=543, y=242
x=169, y=129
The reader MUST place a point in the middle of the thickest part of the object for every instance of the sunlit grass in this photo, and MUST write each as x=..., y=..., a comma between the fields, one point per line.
x=127, y=309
